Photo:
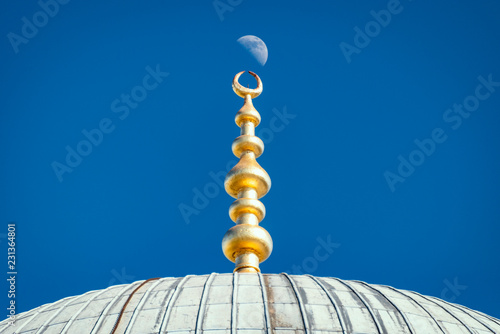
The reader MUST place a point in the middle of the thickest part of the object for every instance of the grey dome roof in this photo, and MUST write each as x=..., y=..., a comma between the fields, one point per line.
x=251, y=304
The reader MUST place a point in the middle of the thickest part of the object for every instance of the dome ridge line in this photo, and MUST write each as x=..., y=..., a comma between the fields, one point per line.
x=140, y=305
x=482, y=314
x=80, y=310
x=305, y=319
x=46, y=323
x=387, y=298
x=203, y=303
x=416, y=302
x=120, y=315
x=447, y=311
x=463, y=311
x=266, y=303
x=334, y=303
x=41, y=308
x=234, y=299
x=375, y=321
x=104, y=313
x=171, y=300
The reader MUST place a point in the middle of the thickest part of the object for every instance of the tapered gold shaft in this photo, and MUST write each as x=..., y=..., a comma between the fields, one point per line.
x=247, y=244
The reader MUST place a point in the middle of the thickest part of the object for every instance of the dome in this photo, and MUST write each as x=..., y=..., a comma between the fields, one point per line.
x=251, y=303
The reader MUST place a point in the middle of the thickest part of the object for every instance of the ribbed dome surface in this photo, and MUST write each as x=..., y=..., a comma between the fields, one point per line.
x=252, y=304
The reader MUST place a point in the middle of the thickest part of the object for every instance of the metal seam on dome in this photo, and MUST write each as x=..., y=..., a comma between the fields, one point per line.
x=104, y=312
x=171, y=301
x=451, y=304
x=482, y=314
x=305, y=320
x=363, y=301
x=34, y=315
x=140, y=305
x=120, y=315
x=266, y=304
x=443, y=309
x=335, y=306
x=203, y=302
x=420, y=305
x=168, y=298
x=397, y=308
x=234, y=305
x=46, y=323
x=6, y=326
x=70, y=322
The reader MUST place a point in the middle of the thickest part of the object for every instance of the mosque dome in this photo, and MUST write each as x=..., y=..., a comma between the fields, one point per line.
x=251, y=303
x=247, y=301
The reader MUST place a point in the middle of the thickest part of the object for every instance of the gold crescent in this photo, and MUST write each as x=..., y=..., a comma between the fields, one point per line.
x=242, y=91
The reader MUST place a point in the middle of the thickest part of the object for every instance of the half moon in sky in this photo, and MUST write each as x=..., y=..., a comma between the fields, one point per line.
x=255, y=46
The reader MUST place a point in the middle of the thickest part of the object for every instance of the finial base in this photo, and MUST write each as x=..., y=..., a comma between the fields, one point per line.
x=247, y=263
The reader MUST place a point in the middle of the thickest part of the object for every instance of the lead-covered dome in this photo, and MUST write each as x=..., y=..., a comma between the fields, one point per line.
x=250, y=303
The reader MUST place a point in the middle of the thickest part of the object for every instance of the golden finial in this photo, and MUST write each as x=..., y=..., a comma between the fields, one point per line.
x=247, y=244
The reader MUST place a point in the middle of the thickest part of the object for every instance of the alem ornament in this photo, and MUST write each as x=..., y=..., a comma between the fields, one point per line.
x=247, y=244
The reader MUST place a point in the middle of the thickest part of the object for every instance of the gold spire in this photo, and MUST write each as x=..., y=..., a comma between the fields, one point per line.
x=247, y=244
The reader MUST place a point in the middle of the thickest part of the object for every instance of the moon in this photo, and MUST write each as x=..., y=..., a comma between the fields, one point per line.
x=255, y=46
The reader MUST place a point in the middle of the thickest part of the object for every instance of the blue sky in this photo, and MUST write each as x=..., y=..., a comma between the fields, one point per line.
x=380, y=120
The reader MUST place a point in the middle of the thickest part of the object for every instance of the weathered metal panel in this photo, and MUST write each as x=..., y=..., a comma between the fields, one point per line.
x=359, y=320
x=453, y=327
x=217, y=317
x=224, y=280
x=391, y=322
x=219, y=295
x=183, y=318
x=423, y=324
x=314, y=296
x=250, y=316
x=146, y=322
x=281, y=294
x=249, y=294
x=249, y=279
x=189, y=296
x=321, y=318
x=285, y=316
x=54, y=329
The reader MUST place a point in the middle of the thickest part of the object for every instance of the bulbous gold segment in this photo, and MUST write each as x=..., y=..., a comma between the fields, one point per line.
x=247, y=205
x=247, y=174
x=247, y=244
x=246, y=238
x=247, y=113
x=247, y=143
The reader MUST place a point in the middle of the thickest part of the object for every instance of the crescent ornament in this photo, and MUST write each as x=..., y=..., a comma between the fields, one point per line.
x=242, y=91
